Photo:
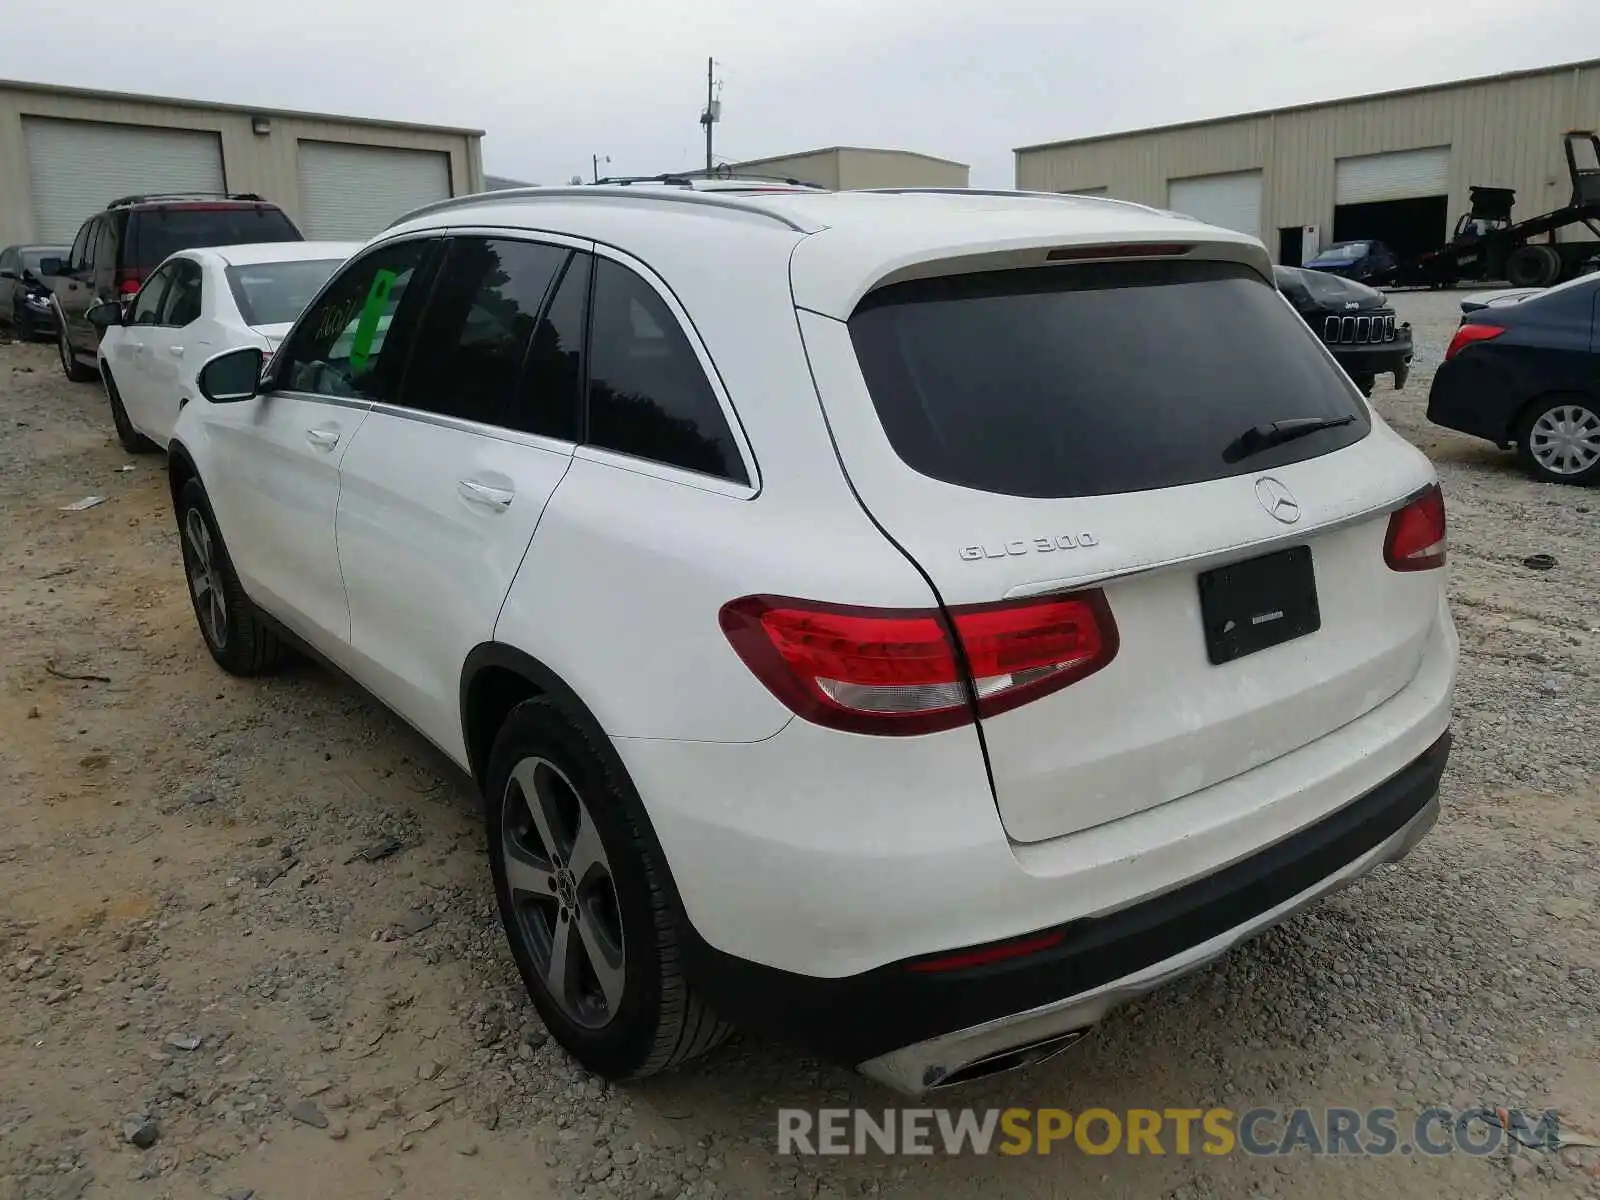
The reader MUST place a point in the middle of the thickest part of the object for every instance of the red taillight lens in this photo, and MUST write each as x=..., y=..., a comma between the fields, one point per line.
x=1466, y=335
x=1416, y=538
x=898, y=671
x=129, y=281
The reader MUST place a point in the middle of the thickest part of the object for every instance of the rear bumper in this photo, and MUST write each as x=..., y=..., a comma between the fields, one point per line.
x=915, y=1030
x=1474, y=399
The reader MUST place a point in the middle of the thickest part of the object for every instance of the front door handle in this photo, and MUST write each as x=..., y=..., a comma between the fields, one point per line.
x=486, y=494
x=175, y=351
x=323, y=439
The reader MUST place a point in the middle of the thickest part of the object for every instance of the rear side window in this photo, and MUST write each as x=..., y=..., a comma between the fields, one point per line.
x=154, y=233
x=1095, y=379
x=183, y=299
x=648, y=395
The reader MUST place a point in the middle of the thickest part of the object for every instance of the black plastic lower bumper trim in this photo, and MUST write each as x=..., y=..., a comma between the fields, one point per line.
x=860, y=1017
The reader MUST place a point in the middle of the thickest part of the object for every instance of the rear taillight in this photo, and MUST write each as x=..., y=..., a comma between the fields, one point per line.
x=129, y=281
x=1416, y=537
x=908, y=671
x=1467, y=335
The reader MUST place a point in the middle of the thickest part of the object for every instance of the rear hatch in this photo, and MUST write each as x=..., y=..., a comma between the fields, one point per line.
x=156, y=231
x=1047, y=430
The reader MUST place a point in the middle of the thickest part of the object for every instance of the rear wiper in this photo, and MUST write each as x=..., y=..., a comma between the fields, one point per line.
x=1263, y=437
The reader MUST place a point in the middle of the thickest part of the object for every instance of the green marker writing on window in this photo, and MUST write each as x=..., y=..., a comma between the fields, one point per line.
x=371, y=312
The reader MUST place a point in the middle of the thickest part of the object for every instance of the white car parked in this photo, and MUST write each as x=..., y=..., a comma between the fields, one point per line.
x=195, y=304
x=906, y=624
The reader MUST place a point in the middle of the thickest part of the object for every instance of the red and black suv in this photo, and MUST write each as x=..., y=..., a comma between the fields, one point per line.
x=117, y=248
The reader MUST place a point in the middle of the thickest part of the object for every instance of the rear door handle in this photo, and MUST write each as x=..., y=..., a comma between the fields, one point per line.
x=486, y=494
x=323, y=439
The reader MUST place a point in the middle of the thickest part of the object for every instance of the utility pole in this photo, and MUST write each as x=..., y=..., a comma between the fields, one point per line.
x=713, y=112
x=595, y=161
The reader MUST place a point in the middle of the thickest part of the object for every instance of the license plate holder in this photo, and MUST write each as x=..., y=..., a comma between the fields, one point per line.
x=1261, y=602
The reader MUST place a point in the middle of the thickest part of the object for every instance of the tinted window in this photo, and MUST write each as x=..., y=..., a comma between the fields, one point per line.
x=549, y=400
x=182, y=302
x=78, y=260
x=478, y=326
x=8, y=260
x=277, y=293
x=352, y=342
x=103, y=246
x=648, y=396
x=33, y=258
x=146, y=308
x=158, y=232
x=1089, y=380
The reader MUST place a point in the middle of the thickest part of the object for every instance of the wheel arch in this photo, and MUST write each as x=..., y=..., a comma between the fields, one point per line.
x=180, y=469
x=495, y=679
x=1523, y=412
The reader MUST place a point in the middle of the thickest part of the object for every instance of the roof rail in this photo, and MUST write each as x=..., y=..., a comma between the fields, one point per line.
x=589, y=191
x=124, y=201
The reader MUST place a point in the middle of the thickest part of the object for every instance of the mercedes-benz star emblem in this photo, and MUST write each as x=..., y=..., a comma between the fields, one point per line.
x=1278, y=500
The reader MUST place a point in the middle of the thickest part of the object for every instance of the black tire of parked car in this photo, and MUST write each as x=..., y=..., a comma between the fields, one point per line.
x=75, y=371
x=248, y=645
x=660, y=1021
x=1367, y=383
x=1530, y=417
x=132, y=440
x=1533, y=266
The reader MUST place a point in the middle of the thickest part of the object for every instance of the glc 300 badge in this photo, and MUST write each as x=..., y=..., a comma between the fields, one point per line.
x=1038, y=545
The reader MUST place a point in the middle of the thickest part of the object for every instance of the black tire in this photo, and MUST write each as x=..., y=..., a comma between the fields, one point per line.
x=132, y=440
x=74, y=370
x=240, y=642
x=1366, y=383
x=659, y=1022
x=1533, y=266
x=1582, y=412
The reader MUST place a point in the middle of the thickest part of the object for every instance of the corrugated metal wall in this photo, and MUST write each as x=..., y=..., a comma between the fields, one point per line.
x=252, y=162
x=1502, y=133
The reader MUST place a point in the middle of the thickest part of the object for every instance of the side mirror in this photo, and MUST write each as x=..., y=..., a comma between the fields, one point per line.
x=232, y=376
x=52, y=266
x=104, y=315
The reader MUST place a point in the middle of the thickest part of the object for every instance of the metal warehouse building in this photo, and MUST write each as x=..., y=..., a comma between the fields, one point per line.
x=66, y=152
x=846, y=167
x=1394, y=166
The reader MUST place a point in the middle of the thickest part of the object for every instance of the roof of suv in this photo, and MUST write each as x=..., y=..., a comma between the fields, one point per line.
x=842, y=244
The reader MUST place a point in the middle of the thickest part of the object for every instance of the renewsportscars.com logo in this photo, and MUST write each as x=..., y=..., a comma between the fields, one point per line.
x=1373, y=1132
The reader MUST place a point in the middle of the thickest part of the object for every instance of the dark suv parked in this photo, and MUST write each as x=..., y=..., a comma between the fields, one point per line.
x=1354, y=321
x=117, y=248
x=24, y=300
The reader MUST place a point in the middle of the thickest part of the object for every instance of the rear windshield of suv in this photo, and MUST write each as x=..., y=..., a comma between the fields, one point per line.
x=1095, y=379
x=154, y=233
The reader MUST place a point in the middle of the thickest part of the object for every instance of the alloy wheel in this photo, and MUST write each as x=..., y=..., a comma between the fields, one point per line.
x=204, y=579
x=1565, y=439
x=563, y=893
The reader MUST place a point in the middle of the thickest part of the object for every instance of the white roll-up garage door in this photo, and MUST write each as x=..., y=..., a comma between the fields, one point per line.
x=1398, y=175
x=349, y=191
x=1232, y=201
x=76, y=168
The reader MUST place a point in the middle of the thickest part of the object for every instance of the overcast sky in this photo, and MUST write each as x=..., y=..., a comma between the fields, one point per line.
x=554, y=84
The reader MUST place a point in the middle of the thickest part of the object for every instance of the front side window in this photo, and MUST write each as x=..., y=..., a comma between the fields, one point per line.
x=350, y=342
x=182, y=302
x=146, y=308
x=479, y=323
x=648, y=395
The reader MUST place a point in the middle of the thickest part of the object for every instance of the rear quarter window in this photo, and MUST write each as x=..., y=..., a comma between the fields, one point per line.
x=1095, y=379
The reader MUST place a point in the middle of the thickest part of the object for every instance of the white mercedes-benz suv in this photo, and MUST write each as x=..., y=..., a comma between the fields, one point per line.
x=902, y=623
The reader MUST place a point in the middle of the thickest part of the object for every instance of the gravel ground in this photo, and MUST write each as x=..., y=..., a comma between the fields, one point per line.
x=207, y=990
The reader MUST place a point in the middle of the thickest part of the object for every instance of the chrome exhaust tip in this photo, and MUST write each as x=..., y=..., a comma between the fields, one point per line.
x=1029, y=1054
